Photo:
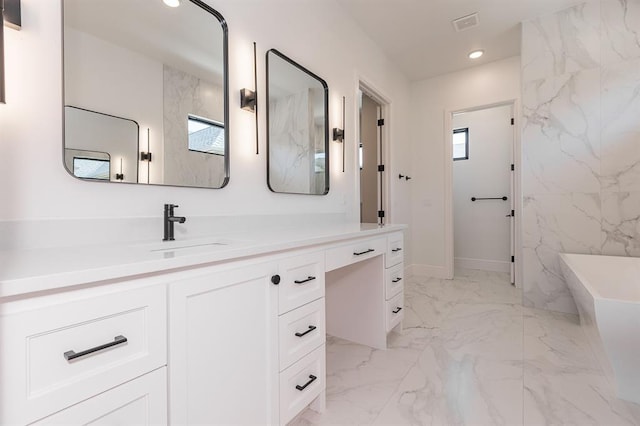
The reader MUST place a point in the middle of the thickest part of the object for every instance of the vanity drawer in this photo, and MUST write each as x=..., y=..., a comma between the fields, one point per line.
x=301, y=331
x=142, y=401
x=61, y=354
x=354, y=252
x=395, y=249
x=395, y=311
x=298, y=386
x=301, y=281
x=394, y=280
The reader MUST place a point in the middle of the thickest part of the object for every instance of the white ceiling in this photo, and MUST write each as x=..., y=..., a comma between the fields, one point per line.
x=418, y=34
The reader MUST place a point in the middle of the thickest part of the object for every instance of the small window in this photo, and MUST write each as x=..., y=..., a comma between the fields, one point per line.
x=91, y=168
x=461, y=144
x=205, y=135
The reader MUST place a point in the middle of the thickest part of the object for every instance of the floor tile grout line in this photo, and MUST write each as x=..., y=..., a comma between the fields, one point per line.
x=415, y=363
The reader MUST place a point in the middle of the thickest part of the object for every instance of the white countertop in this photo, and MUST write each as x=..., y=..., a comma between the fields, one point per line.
x=27, y=271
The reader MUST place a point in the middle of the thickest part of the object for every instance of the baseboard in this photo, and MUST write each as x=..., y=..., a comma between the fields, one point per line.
x=482, y=264
x=431, y=271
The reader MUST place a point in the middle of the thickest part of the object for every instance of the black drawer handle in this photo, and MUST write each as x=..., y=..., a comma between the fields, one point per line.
x=397, y=280
x=311, y=328
x=397, y=310
x=395, y=250
x=310, y=278
x=363, y=252
x=312, y=379
x=71, y=355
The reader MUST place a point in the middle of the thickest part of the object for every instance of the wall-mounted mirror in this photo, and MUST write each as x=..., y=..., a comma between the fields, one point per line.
x=297, y=128
x=143, y=78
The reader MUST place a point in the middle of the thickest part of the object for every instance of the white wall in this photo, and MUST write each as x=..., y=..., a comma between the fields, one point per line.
x=318, y=35
x=580, y=142
x=481, y=229
x=483, y=85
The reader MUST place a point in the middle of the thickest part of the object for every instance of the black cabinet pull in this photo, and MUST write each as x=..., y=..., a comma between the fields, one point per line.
x=311, y=328
x=363, y=252
x=312, y=379
x=310, y=278
x=275, y=279
x=71, y=355
x=395, y=250
x=397, y=280
x=397, y=310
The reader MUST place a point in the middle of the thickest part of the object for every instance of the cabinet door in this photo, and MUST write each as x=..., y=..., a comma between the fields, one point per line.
x=223, y=348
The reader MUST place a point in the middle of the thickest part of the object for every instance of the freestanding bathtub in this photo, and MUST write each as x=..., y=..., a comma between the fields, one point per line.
x=606, y=290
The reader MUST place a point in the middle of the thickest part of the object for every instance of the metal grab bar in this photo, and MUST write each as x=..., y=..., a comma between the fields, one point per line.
x=496, y=198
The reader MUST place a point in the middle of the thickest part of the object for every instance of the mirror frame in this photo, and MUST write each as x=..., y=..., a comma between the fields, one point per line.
x=225, y=67
x=326, y=120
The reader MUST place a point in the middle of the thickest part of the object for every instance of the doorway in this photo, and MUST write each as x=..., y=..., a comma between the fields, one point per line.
x=483, y=145
x=370, y=153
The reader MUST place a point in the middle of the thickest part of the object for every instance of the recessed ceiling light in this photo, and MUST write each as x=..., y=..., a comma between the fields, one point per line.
x=172, y=3
x=476, y=54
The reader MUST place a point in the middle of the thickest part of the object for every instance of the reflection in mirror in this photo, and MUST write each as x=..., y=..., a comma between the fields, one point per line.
x=298, y=128
x=93, y=140
x=165, y=70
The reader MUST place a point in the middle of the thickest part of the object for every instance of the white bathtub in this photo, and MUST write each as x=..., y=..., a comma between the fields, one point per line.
x=606, y=290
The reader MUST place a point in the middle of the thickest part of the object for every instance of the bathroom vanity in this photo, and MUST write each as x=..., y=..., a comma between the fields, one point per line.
x=226, y=330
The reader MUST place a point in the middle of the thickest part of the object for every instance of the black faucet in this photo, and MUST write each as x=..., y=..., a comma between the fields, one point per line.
x=169, y=219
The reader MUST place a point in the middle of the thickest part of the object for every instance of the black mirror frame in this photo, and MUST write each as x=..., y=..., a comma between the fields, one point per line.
x=326, y=120
x=225, y=65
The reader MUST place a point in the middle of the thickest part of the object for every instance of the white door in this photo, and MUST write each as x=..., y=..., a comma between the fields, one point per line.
x=482, y=189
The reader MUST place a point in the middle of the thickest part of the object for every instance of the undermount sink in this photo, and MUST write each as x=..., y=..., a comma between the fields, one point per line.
x=173, y=248
x=167, y=246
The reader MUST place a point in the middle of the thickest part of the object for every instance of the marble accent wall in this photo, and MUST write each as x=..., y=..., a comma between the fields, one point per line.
x=186, y=94
x=291, y=157
x=580, y=141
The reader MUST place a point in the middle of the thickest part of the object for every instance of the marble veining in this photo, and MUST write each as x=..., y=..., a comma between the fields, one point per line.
x=565, y=42
x=580, y=141
x=621, y=128
x=470, y=354
x=621, y=37
x=562, y=134
x=621, y=224
x=289, y=148
x=555, y=223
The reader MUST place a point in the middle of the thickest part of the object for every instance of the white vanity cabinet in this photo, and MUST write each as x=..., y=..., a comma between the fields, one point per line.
x=394, y=280
x=62, y=349
x=223, y=335
x=230, y=340
x=302, y=333
x=245, y=341
x=142, y=401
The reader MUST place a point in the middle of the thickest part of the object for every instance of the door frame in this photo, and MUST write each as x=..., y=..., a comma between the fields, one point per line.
x=516, y=190
x=365, y=86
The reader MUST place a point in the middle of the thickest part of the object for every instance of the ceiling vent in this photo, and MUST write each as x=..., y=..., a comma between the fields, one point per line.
x=466, y=22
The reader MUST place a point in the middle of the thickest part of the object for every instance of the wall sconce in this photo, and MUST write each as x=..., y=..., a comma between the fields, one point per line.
x=249, y=98
x=338, y=134
x=9, y=15
x=120, y=176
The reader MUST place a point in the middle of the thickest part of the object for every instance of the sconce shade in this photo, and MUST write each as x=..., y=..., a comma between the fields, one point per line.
x=338, y=134
x=12, y=15
x=248, y=100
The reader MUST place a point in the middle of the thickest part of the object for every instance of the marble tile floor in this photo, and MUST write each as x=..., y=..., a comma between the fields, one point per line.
x=470, y=354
